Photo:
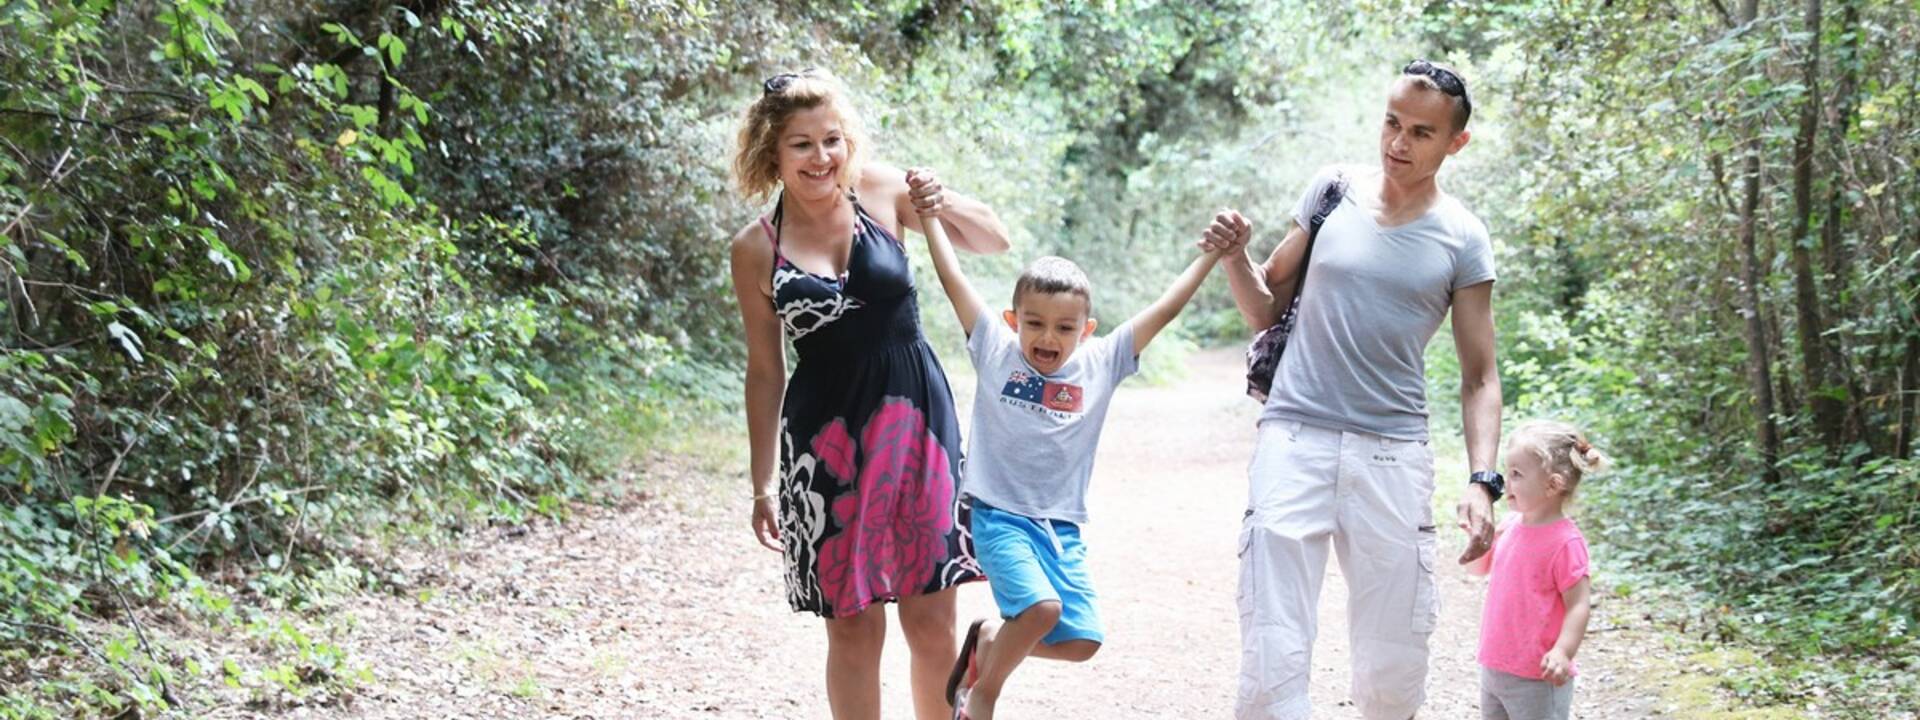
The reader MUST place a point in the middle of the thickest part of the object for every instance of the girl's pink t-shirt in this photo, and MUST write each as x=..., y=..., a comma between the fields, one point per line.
x=1532, y=566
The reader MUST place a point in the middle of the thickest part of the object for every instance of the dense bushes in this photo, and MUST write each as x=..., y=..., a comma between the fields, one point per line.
x=1744, y=334
x=239, y=320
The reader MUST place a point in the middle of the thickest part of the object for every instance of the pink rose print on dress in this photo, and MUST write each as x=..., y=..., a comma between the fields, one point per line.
x=835, y=448
x=894, y=524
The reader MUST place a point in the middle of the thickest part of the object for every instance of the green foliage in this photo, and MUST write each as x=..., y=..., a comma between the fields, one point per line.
x=240, y=321
x=1614, y=175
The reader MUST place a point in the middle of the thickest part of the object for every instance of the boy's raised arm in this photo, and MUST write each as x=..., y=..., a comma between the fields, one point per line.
x=966, y=302
x=1155, y=318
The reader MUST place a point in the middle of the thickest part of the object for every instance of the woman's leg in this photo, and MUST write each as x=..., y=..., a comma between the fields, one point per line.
x=928, y=621
x=853, y=664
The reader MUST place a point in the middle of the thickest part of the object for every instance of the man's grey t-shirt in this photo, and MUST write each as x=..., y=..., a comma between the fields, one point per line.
x=1373, y=298
x=1031, y=449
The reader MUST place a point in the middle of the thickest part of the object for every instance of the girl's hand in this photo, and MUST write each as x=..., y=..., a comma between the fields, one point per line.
x=1476, y=518
x=928, y=195
x=1556, y=668
x=766, y=521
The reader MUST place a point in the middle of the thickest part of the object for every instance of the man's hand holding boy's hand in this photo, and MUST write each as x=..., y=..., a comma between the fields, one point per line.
x=1229, y=232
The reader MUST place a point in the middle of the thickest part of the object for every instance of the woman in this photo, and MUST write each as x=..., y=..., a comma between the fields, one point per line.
x=868, y=445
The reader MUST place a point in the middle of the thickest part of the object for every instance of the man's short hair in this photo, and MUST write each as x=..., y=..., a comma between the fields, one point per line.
x=1050, y=275
x=1445, y=80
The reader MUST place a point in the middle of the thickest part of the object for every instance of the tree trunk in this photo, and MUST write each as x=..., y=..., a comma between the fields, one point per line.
x=1909, y=397
x=1759, y=352
x=1836, y=259
x=1847, y=60
x=1828, y=411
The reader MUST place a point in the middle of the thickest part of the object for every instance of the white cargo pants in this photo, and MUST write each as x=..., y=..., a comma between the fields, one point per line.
x=1370, y=498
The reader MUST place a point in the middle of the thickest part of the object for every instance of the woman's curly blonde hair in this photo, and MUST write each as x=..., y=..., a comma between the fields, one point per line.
x=756, y=158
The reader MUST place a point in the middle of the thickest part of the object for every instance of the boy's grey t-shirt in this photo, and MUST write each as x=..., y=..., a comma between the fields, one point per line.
x=1031, y=449
x=1373, y=298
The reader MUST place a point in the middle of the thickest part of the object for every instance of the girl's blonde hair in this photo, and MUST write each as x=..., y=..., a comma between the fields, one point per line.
x=756, y=159
x=1562, y=449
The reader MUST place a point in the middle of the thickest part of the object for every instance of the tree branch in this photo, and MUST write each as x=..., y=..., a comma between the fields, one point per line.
x=64, y=118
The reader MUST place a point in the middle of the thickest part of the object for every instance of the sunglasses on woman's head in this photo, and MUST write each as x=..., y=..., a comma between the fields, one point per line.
x=779, y=83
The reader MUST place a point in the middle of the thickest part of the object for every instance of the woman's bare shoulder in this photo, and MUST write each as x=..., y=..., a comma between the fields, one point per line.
x=752, y=245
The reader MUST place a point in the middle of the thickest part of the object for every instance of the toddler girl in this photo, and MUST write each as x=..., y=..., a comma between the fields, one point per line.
x=1537, y=596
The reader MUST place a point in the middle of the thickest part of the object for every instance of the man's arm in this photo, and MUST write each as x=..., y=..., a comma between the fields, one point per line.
x=971, y=224
x=1155, y=318
x=967, y=304
x=1479, y=407
x=1261, y=291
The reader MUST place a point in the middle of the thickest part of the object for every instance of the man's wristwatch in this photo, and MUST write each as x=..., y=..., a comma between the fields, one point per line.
x=1495, y=484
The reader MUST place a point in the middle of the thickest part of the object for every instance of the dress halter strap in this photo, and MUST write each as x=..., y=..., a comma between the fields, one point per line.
x=771, y=221
x=773, y=235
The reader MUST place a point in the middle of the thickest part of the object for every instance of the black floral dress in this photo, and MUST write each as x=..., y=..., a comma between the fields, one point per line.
x=870, y=449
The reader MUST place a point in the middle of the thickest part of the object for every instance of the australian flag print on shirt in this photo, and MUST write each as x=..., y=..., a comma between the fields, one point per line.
x=1023, y=385
x=1029, y=387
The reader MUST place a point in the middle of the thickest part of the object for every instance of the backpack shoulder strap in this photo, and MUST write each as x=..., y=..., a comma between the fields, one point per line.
x=1330, y=199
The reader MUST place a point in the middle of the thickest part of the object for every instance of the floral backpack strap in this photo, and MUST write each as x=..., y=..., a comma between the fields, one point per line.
x=1263, y=354
x=1330, y=199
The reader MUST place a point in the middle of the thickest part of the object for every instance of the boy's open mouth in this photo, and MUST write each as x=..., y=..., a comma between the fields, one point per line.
x=1046, y=356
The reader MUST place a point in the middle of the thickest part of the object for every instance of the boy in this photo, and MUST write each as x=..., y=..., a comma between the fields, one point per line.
x=1044, y=386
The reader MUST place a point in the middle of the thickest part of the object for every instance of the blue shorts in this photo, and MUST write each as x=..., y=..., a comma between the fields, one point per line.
x=1030, y=561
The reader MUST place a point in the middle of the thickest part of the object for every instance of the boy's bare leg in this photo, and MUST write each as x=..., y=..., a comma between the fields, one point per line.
x=1003, y=648
x=1069, y=651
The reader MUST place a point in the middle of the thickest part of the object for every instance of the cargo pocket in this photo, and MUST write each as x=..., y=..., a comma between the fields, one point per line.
x=1426, y=592
x=1245, y=594
x=1251, y=669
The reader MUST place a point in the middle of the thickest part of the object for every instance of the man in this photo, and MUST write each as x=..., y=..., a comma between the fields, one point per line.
x=1342, y=458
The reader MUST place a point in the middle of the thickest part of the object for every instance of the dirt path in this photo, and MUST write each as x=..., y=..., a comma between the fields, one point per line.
x=667, y=608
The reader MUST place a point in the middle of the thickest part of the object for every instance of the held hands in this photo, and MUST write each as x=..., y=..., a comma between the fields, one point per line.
x=766, y=521
x=928, y=195
x=1556, y=667
x=1476, y=517
x=1229, y=232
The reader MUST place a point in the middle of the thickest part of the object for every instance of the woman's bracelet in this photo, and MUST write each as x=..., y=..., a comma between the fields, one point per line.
x=768, y=495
